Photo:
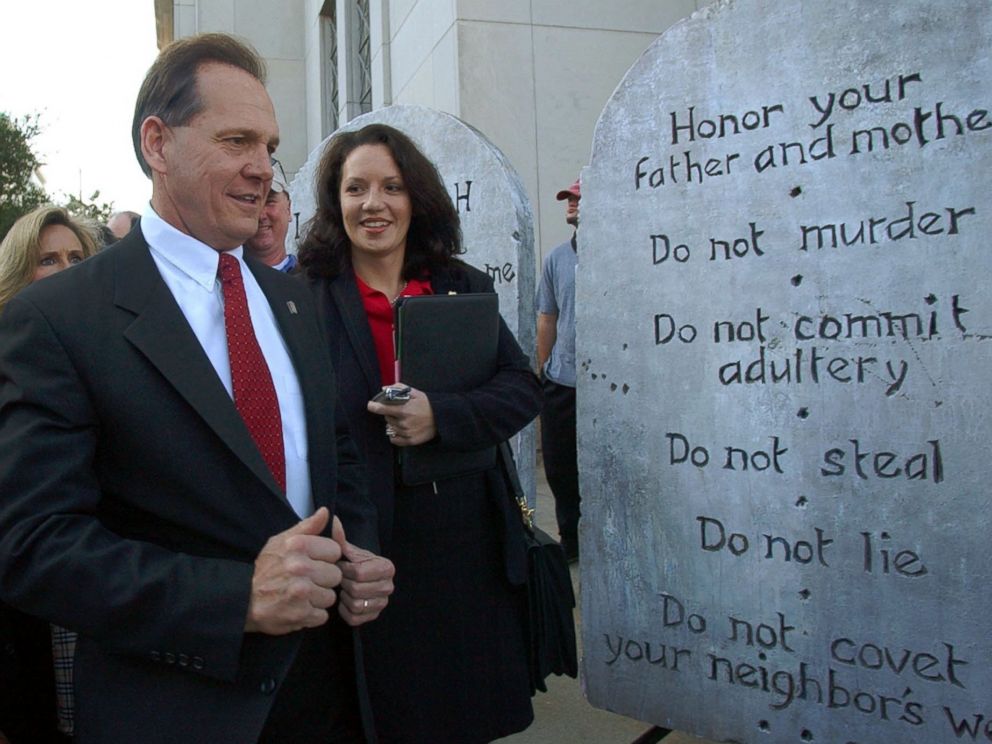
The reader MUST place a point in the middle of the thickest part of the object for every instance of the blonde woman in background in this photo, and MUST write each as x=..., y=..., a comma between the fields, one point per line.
x=37, y=666
x=42, y=242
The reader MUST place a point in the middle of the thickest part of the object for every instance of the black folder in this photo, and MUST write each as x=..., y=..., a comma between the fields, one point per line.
x=448, y=344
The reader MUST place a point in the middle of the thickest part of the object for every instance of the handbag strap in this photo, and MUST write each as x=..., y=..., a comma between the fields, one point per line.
x=516, y=490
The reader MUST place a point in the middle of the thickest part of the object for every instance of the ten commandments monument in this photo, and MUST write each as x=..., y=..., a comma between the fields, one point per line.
x=784, y=336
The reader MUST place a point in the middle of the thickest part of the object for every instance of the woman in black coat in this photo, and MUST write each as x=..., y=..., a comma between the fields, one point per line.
x=448, y=661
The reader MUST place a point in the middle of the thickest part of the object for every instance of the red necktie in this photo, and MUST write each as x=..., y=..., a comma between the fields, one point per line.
x=254, y=393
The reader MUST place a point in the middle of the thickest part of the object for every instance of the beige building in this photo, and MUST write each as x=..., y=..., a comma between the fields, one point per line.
x=532, y=75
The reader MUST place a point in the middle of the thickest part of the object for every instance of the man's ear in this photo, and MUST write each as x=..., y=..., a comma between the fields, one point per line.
x=155, y=134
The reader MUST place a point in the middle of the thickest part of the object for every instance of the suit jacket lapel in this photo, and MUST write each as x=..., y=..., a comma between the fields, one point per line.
x=348, y=300
x=344, y=292
x=293, y=311
x=161, y=333
x=286, y=308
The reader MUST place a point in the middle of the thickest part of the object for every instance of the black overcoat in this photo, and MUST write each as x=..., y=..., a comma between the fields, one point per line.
x=447, y=661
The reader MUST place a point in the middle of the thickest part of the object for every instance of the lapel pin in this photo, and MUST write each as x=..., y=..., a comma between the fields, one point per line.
x=292, y=307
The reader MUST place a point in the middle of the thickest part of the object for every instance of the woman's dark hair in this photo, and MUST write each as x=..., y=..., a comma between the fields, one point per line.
x=435, y=234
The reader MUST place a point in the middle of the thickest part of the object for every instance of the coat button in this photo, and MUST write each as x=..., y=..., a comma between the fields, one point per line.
x=155, y=656
x=268, y=686
x=170, y=658
x=198, y=663
x=183, y=660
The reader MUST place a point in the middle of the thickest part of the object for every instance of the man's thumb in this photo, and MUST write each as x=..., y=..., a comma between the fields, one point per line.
x=312, y=525
x=337, y=533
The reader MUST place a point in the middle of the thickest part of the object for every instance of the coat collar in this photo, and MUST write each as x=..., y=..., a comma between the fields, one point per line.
x=348, y=301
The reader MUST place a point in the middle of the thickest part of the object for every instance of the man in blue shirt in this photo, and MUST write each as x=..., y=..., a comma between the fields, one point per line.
x=268, y=245
x=556, y=359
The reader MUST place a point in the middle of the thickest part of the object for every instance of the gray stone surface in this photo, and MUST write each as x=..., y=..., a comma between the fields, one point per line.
x=496, y=218
x=783, y=440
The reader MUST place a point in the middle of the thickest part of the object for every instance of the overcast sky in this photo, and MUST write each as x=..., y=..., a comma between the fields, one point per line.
x=79, y=65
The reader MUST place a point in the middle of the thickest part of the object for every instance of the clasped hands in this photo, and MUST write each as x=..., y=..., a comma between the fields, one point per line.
x=300, y=574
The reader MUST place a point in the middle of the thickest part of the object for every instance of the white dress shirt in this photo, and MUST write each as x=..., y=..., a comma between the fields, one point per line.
x=189, y=269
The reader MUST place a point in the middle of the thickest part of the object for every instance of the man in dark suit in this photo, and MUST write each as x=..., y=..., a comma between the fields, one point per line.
x=174, y=476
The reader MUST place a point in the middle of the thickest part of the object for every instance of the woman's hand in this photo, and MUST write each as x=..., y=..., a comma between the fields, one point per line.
x=409, y=423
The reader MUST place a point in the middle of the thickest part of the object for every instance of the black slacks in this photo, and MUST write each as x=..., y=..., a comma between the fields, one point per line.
x=561, y=461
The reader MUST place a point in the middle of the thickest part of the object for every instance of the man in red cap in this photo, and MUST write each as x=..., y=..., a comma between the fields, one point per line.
x=556, y=359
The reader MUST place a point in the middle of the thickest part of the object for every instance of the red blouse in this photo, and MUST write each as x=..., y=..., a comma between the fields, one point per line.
x=379, y=311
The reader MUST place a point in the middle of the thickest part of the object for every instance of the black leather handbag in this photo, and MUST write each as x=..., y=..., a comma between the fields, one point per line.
x=550, y=598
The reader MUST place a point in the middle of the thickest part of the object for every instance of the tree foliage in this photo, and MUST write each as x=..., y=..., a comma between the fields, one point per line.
x=18, y=193
x=99, y=212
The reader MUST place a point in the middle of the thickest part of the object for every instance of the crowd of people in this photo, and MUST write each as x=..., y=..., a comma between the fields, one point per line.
x=204, y=533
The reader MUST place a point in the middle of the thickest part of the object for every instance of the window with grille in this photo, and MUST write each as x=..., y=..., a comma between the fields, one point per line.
x=329, y=66
x=363, y=56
